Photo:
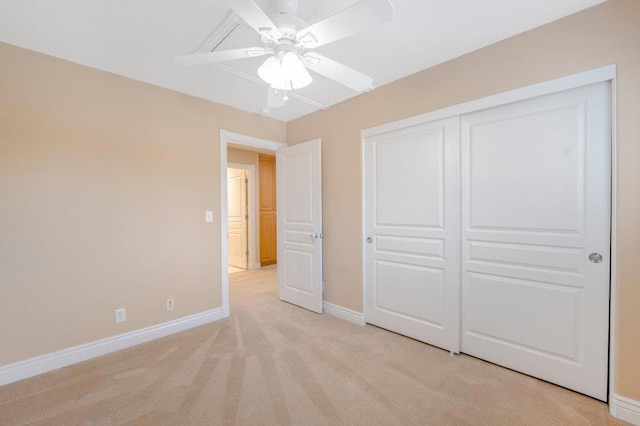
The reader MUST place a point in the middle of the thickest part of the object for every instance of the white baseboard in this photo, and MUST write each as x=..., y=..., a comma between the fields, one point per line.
x=52, y=361
x=256, y=265
x=624, y=408
x=343, y=313
x=225, y=311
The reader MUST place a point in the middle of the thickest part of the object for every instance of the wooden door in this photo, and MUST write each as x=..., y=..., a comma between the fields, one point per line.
x=267, y=204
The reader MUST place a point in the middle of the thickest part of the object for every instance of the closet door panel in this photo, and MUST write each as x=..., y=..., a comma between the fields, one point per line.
x=535, y=205
x=412, y=223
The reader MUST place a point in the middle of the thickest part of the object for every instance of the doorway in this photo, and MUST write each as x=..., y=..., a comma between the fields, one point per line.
x=254, y=145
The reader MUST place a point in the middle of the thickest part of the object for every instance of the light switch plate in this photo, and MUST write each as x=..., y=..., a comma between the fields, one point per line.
x=208, y=216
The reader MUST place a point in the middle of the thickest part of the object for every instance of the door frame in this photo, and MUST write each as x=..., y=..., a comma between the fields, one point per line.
x=253, y=238
x=246, y=142
x=585, y=78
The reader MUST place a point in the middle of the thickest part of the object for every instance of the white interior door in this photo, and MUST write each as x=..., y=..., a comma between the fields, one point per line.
x=237, y=212
x=536, y=200
x=412, y=232
x=299, y=223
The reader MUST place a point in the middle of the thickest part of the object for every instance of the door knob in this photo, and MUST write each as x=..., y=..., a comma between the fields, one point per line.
x=595, y=258
x=369, y=240
x=314, y=236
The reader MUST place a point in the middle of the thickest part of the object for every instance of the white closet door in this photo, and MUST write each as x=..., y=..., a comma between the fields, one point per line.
x=536, y=209
x=299, y=180
x=412, y=205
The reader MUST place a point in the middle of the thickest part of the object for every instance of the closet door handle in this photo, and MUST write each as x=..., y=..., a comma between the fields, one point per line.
x=595, y=258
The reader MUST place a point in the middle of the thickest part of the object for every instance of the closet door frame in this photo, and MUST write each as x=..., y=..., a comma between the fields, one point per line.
x=597, y=75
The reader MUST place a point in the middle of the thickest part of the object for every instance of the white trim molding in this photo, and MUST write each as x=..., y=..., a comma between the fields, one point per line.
x=613, y=295
x=225, y=311
x=624, y=408
x=250, y=142
x=52, y=361
x=343, y=313
x=597, y=75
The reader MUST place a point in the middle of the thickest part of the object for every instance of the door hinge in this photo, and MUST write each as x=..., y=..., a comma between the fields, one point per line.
x=246, y=181
x=247, y=253
x=246, y=216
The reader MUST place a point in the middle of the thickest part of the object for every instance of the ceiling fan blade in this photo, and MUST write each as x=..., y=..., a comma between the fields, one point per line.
x=352, y=20
x=221, y=56
x=338, y=72
x=255, y=17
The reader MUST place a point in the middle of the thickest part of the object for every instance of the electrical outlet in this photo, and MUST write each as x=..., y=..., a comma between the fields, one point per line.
x=171, y=304
x=121, y=315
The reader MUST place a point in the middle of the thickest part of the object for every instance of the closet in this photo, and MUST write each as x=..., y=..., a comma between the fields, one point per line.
x=488, y=233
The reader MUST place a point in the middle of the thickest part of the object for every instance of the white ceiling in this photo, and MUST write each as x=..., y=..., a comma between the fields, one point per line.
x=139, y=38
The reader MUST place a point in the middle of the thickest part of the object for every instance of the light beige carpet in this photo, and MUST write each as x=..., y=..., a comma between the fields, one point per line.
x=272, y=363
x=233, y=269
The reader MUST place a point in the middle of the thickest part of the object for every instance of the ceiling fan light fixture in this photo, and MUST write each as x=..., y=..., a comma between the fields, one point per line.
x=288, y=44
x=270, y=70
x=294, y=71
x=285, y=72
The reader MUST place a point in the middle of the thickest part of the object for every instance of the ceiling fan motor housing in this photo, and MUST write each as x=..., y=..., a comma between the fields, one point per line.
x=288, y=25
x=285, y=7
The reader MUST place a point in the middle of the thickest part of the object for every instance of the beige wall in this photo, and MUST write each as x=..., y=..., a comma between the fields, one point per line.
x=241, y=156
x=606, y=34
x=104, y=182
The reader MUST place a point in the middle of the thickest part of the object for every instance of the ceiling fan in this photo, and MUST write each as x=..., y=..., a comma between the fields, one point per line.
x=289, y=42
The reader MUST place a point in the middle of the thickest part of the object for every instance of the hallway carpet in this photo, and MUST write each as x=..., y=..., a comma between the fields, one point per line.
x=234, y=270
x=272, y=363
